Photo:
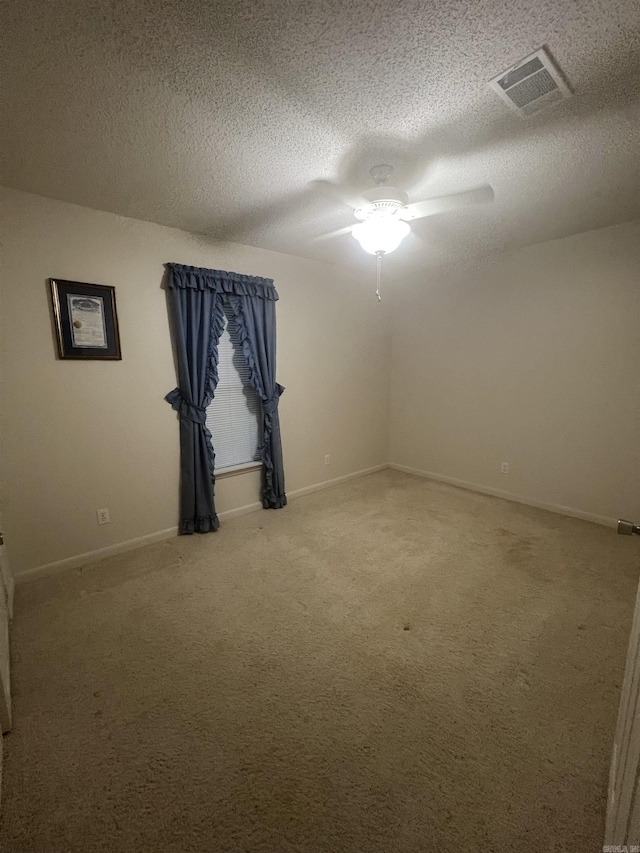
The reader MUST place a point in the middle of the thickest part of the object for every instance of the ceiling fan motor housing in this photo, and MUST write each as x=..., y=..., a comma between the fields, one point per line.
x=381, y=198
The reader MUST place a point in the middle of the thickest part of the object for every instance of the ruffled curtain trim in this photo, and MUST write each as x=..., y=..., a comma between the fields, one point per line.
x=221, y=281
x=270, y=498
x=255, y=377
x=193, y=412
x=211, y=381
x=201, y=524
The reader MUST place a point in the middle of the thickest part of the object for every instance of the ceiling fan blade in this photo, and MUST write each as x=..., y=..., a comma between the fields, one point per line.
x=338, y=194
x=443, y=203
x=321, y=238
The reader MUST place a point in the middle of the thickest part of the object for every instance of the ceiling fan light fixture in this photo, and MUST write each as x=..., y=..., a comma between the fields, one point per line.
x=380, y=233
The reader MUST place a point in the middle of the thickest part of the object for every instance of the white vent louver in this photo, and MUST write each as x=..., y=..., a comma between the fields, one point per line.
x=531, y=85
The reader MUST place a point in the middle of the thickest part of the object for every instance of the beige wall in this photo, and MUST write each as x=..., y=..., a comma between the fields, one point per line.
x=533, y=360
x=81, y=436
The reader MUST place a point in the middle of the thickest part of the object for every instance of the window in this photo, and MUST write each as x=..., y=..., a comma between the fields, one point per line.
x=234, y=415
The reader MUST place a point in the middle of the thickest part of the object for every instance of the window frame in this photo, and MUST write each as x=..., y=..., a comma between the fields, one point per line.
x=234, y=470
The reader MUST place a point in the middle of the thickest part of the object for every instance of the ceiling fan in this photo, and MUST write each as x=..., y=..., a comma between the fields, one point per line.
x=383, y=212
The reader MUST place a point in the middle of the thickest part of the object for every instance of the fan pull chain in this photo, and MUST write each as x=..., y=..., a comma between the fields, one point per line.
x=379, y=274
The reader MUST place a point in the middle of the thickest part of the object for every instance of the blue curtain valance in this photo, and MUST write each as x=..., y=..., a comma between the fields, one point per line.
x=221, y=281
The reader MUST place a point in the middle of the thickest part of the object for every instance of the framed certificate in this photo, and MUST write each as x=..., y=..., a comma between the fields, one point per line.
x=86, y=320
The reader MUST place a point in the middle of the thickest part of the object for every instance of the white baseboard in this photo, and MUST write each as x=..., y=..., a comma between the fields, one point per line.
x=306, y=490
x=132, y=544
x=239, y=510
x=93, y=556
x=328, y=484
x=508, y=496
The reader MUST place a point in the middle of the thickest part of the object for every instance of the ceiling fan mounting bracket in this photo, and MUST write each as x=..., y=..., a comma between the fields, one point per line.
x=381, y=173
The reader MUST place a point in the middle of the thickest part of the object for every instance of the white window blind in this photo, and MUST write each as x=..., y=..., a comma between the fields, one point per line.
x=233, y=417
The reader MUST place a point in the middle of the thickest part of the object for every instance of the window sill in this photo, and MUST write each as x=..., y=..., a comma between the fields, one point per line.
x=239, y=469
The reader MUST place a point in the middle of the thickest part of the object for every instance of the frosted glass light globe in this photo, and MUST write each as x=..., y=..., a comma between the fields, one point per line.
x=380, y=232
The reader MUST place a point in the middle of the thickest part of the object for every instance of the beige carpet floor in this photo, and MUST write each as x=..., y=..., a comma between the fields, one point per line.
x=390, y=665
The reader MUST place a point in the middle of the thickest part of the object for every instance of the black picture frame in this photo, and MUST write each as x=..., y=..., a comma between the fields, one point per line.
x=94, y=333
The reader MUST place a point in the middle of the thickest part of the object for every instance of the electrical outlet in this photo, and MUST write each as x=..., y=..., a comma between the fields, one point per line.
x=103, y=516
x=326, y=459
x=504, y=468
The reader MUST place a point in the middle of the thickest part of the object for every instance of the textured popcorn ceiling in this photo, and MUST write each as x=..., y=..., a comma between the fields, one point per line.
x=215, y=116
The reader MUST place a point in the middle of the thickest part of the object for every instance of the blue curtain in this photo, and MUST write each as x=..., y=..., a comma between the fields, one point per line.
x=256, y=323
x=197, y=299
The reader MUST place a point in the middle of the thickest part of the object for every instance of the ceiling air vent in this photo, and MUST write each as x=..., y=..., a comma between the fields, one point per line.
x=532, y=84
